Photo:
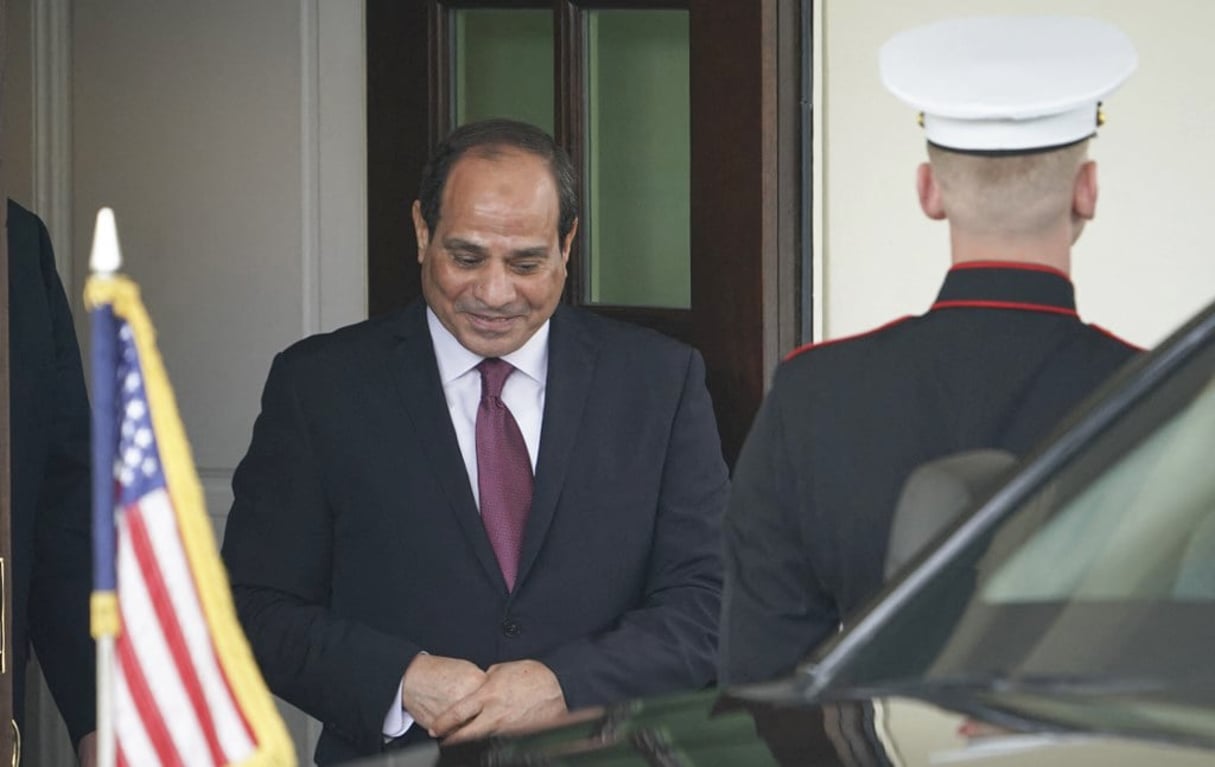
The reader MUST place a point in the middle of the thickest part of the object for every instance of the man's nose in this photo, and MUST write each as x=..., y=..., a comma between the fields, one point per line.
x=496, y=288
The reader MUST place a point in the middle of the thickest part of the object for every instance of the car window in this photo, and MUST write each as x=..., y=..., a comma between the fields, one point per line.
x=1145, y=529
x=1105, y=571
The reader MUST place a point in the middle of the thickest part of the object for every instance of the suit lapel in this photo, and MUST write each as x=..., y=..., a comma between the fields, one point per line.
x=571, y=367
x=417, y=377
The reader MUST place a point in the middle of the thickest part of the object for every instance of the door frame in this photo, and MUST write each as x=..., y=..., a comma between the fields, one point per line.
x=749, y=179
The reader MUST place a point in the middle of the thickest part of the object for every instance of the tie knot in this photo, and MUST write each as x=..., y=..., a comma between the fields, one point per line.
x=494, y=372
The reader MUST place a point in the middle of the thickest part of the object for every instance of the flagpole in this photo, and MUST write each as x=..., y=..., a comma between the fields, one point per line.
x=104, y=262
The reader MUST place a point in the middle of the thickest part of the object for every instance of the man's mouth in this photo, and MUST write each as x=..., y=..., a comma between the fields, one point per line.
x=491, y=322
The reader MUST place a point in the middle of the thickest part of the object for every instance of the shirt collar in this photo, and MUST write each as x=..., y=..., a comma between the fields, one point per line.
x=1007, y=285
x=455, y=360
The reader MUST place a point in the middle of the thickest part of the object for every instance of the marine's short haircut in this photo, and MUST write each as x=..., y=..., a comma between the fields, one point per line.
x=1007, y=195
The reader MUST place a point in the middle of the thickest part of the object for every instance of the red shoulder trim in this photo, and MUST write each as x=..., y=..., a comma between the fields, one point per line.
x=807, y=347
x=1022, y=265
x=1116, y=337
x=1018, y=305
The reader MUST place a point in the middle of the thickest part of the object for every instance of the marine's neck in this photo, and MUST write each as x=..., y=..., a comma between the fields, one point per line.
x=1053, y=251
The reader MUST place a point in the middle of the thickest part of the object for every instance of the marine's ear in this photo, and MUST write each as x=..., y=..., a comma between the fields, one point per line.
x=929, y=191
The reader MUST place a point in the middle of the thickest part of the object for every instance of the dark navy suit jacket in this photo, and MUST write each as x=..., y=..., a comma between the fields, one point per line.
x=49, y=429
x=354, y=541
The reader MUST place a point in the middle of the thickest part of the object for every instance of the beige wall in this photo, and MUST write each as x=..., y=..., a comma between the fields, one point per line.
x=1143, y=266
x=17, y=118
x=229, y=137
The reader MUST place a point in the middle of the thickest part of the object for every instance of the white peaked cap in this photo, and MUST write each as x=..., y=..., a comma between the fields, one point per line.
x=1007, y=83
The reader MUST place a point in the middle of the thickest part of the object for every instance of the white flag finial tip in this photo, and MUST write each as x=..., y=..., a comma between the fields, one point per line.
x=106, y=257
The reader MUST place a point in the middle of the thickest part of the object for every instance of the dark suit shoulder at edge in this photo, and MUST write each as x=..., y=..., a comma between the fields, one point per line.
x=609, y=330
x=377, y=331
x=20, y=213
x=25, y=230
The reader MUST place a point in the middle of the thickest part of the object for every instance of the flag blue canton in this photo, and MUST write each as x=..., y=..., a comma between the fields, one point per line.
x=137, y=467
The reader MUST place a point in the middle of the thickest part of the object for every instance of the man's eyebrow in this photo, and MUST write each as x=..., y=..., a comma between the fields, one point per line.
x=459, y=243
x=536, y=251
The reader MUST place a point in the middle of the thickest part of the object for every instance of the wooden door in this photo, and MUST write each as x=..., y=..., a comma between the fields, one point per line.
x=9, y=737
x=746, y=225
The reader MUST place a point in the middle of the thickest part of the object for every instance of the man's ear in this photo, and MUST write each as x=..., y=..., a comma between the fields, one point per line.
x=1084, y=192
x=569, y=243
x=929, y=191
x=421, y=230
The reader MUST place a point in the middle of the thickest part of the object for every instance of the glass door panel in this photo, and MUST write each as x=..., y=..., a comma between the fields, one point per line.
x=637, y=158
x=503, y=61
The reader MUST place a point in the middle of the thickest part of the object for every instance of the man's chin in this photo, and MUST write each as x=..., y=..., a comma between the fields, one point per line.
x=492, y=344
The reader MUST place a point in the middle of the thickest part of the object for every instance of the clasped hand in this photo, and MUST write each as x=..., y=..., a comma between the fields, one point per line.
x=456, y=701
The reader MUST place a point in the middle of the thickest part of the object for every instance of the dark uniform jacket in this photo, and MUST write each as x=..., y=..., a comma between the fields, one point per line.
x=996, y=363
x=354, y=541
x=49, y=422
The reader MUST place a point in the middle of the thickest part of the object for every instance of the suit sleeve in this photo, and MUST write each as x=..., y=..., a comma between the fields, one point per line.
x=278, y=549
x=669, y=642
x=62, y=575
x=774, y=609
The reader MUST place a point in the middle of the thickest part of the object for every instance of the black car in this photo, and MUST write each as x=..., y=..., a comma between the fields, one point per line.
x=1070, y=619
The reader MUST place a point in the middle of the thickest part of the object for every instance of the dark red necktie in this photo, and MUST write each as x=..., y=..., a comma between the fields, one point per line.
x=504, y=470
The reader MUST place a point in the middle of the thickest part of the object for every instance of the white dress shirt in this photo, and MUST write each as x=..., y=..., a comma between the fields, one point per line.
x=523, y=394
x=523, y=391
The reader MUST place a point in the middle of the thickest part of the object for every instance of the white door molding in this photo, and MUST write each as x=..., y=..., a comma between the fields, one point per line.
x=52, y=139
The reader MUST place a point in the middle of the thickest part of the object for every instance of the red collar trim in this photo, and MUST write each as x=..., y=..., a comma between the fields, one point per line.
x=1018, y=305
x=1022, y=265
x=807, y=347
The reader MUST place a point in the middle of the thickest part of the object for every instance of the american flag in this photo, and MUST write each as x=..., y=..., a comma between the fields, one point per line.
x=173, y=703
x=183, y=688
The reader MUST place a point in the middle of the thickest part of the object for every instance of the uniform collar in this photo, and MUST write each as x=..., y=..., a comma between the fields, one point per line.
x=1007, y=285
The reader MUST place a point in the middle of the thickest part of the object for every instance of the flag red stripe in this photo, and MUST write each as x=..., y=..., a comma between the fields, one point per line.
x=120, y=758
x=242, y=716
x=145, y=704
x=240, y=711
x=158, y=592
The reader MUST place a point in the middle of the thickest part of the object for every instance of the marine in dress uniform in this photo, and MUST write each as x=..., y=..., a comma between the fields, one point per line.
x=996, y=362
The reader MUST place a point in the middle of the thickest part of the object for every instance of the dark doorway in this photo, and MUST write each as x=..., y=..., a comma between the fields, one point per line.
x=746, y=180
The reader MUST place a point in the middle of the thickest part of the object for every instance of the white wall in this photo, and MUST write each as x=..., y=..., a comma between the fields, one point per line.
x=17, y=117
x=186, y=121
x=230, y=139
x=1142, y=267
x=199, y=125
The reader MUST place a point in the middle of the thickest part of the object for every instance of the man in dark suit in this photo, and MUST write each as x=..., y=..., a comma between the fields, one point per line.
x=49, y=430
x=996, y=362
x=399, y=570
